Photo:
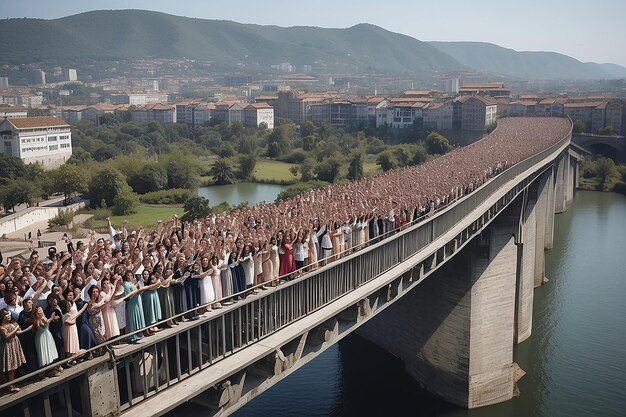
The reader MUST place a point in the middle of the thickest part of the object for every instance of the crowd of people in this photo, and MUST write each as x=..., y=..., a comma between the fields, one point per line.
x=54, y=308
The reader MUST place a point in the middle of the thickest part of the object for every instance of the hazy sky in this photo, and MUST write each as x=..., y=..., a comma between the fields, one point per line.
x=586, y=30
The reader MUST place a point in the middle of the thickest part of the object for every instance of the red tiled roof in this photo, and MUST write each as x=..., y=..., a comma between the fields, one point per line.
x=40, y=121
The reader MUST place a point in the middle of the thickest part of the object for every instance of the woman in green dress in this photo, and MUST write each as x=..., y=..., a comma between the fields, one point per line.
x=166, y=298
x=151, y=303
x=134, y=309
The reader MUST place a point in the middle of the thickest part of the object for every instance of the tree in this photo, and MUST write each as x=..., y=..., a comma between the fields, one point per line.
x=79, y=157
x=18, y=191
x=222, y=172
x=607, y=130
x=226, y=150
x=579, y=126
x=125, y=202
x=105, y=152
x=386, y=160
x=307, y=129
x=420, y=155
x=355, y=168
x=105, y=186
x=11, y=167
x=152, y=177
x=181, y=173
x=306, y=169
x=279, y=142
x=328, y=169
x=374, y=146
x=437, y=144
x=247, y=162
x=195, y=208
x=69, y=180
x=247, y=144
x=604, y=169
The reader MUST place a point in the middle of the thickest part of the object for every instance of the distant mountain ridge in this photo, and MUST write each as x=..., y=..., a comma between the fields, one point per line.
x=141, y=34
x=364, y=48
x=494, y=59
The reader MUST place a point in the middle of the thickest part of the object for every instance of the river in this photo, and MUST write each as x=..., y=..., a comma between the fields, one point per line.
x=575, y=359
x=250, y=192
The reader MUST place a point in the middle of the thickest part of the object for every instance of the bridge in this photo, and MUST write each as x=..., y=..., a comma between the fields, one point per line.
x=611, y=146
x=450, y=295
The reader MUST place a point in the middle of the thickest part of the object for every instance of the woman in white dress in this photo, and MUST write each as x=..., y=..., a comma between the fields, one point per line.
x=202, y=272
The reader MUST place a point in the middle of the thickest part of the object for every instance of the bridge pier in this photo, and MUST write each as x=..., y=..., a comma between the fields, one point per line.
x=562, y=170
x=455, y=331
x=526, y=265
x=550, y=195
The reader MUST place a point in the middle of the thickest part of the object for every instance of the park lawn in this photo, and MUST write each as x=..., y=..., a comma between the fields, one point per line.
x=146, y=216
x=267, y=170
x=370, y=167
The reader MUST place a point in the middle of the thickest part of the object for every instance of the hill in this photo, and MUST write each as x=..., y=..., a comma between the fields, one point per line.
x=120, y=34
x=494, y=59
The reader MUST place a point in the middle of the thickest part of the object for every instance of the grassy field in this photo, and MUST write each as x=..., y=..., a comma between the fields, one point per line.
x=267, y=170
x=146, y=216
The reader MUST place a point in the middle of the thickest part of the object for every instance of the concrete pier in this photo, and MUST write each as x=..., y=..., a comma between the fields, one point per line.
x=455, y=332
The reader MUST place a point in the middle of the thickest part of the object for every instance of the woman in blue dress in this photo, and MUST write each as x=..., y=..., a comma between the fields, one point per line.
x=151, y=303
x=134, y=309
x=44, y=342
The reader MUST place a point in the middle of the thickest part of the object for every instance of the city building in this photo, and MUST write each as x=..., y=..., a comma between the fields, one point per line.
x=295, y=105
x=486, y=89
x=438, y=116
x=13, y=111
x=70, y=75
x=203, y=113
x=257, y=113
x=44, y=140
x=185, y=112
x=4, y=81
x=158, y=112
x=474, y=112
x=36, y=77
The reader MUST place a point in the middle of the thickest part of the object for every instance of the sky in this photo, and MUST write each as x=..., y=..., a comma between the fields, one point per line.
x=586, y=30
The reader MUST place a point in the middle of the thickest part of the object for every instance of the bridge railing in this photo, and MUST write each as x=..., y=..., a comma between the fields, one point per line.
x=166, y=359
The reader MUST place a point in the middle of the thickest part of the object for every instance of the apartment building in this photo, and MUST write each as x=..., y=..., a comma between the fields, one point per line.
x=474, y=112
x=438, y=116
x=44, y=140
x=257, y=113
x=154, y=112
x=203, y=113
x=486, y=89
x=13, y=111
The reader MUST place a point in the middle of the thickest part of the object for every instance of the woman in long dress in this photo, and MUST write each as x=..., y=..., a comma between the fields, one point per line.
x=44, y=342
x=109, y=313
x=178, y=290
x=150, y=303
x=11, y=353
x=247, y=265
x=70, y=332
x=96, y=321
x=216, y=281
x=275, y=259
x=166, y=297
x=226, y=278
x=202, y=271
x=287, y=261
x=135, y=316
x=268, y=265
x=313, y=246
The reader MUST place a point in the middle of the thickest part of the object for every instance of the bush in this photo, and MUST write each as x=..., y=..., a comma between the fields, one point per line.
x=296, y=156
x=297, y=189
x=64, y=218
x=171, y=196
x=125, y=203
x=105, y=186
x=101, y=213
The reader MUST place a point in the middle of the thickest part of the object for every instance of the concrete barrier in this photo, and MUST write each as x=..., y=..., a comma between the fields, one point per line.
x=15, y=222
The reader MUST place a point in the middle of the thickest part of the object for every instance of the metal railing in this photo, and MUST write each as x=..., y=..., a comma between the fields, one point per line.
x=166, y=359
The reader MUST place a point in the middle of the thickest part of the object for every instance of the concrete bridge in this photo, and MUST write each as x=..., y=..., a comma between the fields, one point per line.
x=611, y=146
x=450, y=296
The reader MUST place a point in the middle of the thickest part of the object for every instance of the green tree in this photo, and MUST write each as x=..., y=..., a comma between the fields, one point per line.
x=18, y=191
x=420, y=155
x=386, y=160
x=152, y=177
x=437, y=144
x=328, y=170
x=69, y=180
x=105, y=152
x=226, y=150
x=307, y=129
x=607, y=130
x=306, y=169
x=182, y=174
x=355, y=168
x=79, y=157
x=195, y=208
x=222, y=172
x=11, y=167
x=579, y=126
x=374, y=146
x=604, y=169
x=125, y=202
x=279, y=141
x=105, y=186
x=247, y=162
x=247, y=144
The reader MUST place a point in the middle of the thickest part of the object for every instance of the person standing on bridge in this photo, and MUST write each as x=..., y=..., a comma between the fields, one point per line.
x=11, y=353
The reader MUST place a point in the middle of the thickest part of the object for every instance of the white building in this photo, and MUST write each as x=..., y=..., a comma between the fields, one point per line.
x=71, y=75
x=45, y=140
x=257, y=113
x=203, y=114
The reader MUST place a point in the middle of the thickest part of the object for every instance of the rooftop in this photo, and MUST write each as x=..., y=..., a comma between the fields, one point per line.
x=40, y=121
